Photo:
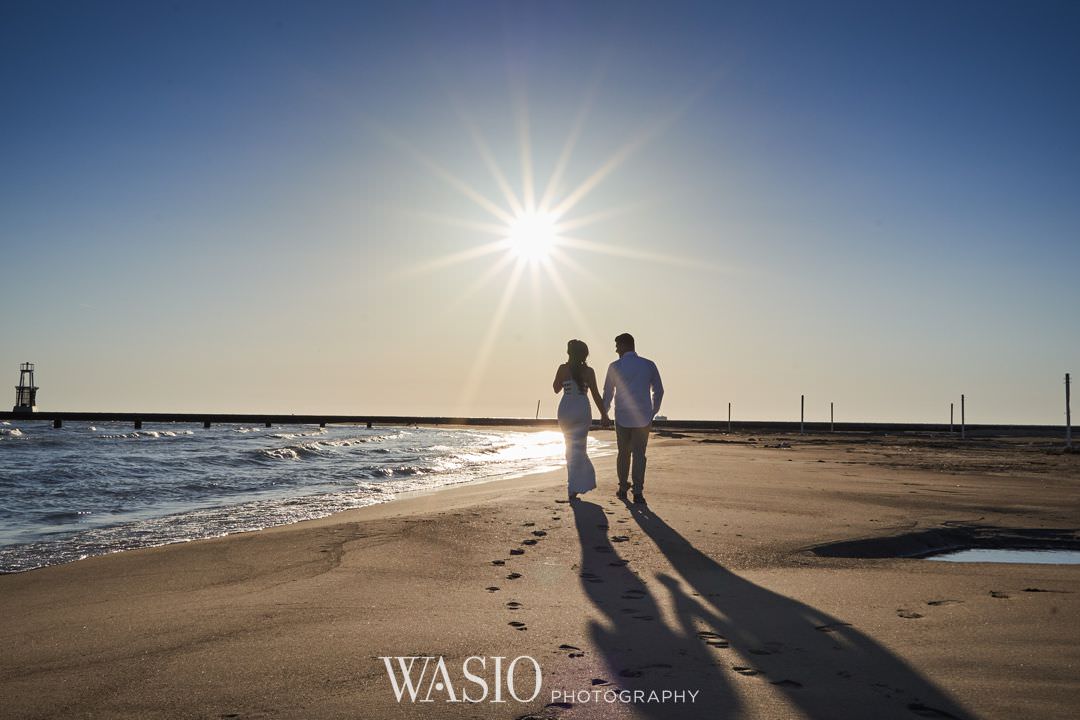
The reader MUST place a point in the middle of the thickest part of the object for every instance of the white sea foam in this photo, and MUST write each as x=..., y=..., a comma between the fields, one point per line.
x=293, y=436
x=149, y=434
x=284, y=453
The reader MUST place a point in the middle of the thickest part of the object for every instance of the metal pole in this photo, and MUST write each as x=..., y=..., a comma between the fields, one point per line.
x=1068, y=415
x=951, y=416
x=963, y=420
x=832, y=419
x=537, y=409
x=729, y=417
x=802, y=413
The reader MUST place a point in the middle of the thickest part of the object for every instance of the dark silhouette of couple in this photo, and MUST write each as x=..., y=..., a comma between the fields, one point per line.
x=633, y=383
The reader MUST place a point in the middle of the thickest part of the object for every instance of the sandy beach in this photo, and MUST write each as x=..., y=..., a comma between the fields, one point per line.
x=714, y=587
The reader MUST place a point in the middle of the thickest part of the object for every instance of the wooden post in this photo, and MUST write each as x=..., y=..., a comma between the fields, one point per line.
x=206, y=424
x=802, y=413
x=1068, y=415
x=537, y=409
x=267, y=423
x=58, y=423
x=138, y=424
x=729, y=417
x=963, y=420
x=951, y=417
x=832, y=418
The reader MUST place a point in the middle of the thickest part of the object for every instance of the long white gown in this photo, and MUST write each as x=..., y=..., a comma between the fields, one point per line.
x=575, y=418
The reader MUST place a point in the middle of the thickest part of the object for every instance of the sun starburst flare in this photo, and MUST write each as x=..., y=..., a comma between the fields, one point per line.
x=530, y=234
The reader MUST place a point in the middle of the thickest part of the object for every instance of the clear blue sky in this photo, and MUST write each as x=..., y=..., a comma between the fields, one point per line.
x=234, y=206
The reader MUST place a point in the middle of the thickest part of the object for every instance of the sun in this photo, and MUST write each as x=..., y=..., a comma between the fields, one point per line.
x=536, y=233
x=532, y=235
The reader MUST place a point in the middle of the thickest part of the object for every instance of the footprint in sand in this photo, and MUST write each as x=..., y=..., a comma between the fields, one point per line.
x=644, y=617
x=768, y=648
x=619, y=538
x=619, y=563
x=937, y=603
x=576, y=651
x=513, y=576
x=517, y=551
x=999, y=594
x=590, y=577
x=517, y=624
x=603, y=549
x=529, y=542
x=528, y=524
x=539, y=533
x=493, y=588
x=1034, y=589
x=930, y=712
x=514, y=605
x=633, y=595
x=832, y=627
x=747, y=671
x=560, y=705
x=498, y=562
x=600, y=681
x=787, y=683
x=908, y=614
x=713, y=639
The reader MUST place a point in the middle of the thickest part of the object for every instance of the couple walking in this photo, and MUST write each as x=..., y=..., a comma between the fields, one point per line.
x=634, y=383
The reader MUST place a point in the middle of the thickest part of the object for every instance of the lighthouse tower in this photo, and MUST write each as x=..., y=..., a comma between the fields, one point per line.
x=25, y=391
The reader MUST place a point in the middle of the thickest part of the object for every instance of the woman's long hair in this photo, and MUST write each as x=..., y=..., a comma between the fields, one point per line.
x=578, y=352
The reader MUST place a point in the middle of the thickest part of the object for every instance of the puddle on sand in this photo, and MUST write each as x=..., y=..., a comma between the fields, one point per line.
x=988, y=555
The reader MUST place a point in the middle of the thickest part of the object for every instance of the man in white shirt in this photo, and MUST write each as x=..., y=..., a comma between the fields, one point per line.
x=634, y=382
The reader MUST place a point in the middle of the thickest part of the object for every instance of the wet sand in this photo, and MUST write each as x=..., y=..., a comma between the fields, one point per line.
x=719, y=586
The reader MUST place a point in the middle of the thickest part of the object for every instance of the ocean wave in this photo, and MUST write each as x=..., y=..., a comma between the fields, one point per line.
x=402, y=471
x=63, y=516
x=13, y=432
x=293, y=436
x=149, y=434
x=321, y=447
x=284, y=453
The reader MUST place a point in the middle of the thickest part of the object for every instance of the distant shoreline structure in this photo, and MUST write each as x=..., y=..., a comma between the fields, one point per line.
x=269, y=420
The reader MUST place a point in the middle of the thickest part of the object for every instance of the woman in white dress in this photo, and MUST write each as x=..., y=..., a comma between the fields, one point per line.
x=575, y=380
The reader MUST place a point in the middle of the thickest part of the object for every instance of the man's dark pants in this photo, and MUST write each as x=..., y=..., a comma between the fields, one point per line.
x=632, y=442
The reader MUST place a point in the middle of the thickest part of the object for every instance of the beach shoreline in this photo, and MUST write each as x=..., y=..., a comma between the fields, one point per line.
x=713, y=587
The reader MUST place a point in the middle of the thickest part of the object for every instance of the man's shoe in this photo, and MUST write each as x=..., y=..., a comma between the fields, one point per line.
x=639, y=498
x=621, y=494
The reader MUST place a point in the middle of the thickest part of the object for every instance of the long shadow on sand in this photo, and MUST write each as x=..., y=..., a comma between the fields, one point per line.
x=820, y=665
x=640, y=650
